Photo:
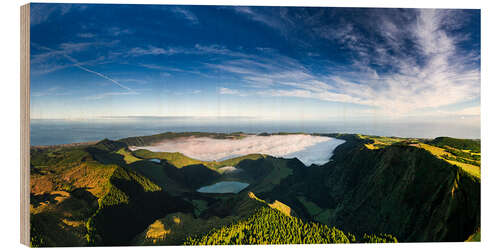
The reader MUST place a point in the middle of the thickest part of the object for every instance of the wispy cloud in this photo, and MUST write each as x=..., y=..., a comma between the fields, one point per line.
x=469, y=111
x=152, y=50
x=117, y=31
x=40, y=13
x=169, y=70
x=184, y=13
x=197, y=49
x=132, y=80
x=108, y=94
x=53, y=91
x=46, y=60
x=159, y=67
x=86, y=35
x=72, y=47
x=269, y=20
x=396, y=61
x=432, y=74
x=227, y=91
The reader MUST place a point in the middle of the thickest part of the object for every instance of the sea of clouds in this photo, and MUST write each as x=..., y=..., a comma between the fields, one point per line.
x=307, y=148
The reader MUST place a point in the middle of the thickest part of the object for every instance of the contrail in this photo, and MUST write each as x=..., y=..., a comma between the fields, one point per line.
x=78, y=64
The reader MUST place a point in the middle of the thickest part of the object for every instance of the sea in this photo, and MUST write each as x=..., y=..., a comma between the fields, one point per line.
x=65, y=131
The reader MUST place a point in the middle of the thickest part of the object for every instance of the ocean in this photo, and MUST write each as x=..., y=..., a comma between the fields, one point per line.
x=58, y=131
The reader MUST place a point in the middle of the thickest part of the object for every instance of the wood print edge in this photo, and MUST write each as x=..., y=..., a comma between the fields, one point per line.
x=25, y=123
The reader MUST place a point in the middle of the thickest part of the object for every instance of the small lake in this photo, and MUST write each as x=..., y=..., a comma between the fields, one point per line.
x=155, y=160
x=224, y=187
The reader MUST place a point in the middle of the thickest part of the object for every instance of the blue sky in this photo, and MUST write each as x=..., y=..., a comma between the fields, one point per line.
x=91, y=61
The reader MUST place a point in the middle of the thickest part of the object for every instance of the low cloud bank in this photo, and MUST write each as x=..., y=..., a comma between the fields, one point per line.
x=229, y=170
x=308, y=149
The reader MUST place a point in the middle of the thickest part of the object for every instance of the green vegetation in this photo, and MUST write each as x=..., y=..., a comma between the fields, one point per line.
x=378, y=142
x=152, y=139
x=128, y=157
x=476, y=236
x=221, y=210
x=199, y=206
x=179, y=160
x=389, y=190
x=62, y=216
x=379, y=238
x=464, y=144
x=265, y=173
x=376, y=188
x=236, y=160
x=270, y=226
x=445, y=154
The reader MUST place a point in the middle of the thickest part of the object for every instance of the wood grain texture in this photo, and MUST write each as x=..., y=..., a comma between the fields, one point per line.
x=25, y=124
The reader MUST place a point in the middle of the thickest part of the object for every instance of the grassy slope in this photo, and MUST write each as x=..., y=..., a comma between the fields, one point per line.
x=411, y=194
x=463, y=144
x=441, y=154
x=128, y=156
x=273, y=224
x=76, y=189
x=219, y=211
x=179, y=160
x=377, y=142
x=440, y=147
x=399, y=189
x=269, y=226
x=476, y=237
x=245, y=219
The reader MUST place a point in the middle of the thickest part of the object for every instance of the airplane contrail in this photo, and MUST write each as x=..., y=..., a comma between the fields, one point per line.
x=78, y=65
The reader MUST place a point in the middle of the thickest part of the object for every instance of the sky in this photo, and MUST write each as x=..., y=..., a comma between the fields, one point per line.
x=271, y=63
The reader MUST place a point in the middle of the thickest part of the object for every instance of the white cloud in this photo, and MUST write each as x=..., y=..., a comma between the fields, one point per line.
x=41, y=12
x=308, y=149
x=116, y=31
x=53, y=91
x=190, y=16
x=152, y=50
x=86, y=35
x=269, y=20
x=469, y=111
x=443, y=76
x=47, y=60
x=108, y=94
x=227, y=91
x=66, y=49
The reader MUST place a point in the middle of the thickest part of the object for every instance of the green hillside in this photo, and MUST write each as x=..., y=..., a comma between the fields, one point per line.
x=463, y=144
x=398, y=189
x=81, y=195
x=268, y=225
x=179, y=160
x=152, y=139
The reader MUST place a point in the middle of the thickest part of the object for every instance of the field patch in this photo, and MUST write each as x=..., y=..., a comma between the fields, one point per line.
x=441, y=153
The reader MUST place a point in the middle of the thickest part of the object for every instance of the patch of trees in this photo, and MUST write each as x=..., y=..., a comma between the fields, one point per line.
x=269, y=226
x=464, y=144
